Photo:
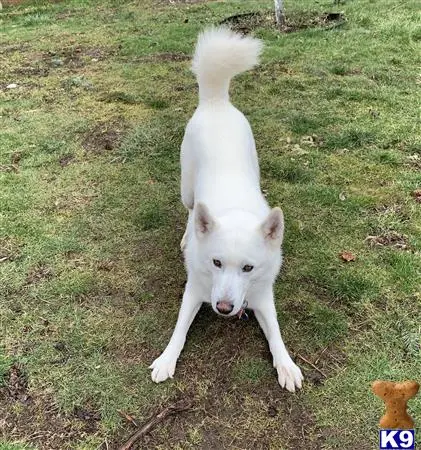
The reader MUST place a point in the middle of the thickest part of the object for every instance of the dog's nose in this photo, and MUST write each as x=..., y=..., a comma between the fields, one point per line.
x=224, y=307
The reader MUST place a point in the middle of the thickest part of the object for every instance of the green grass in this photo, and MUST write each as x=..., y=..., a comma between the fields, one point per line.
x=15, y=446
x=90, y=224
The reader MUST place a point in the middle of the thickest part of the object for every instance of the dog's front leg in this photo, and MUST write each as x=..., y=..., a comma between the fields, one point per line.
x=185, y=238
x=289, y=374
x=164, y=366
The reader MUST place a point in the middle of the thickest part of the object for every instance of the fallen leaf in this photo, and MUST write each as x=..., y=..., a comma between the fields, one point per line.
x=417, y=195
x=15, y=158
x=347, y=256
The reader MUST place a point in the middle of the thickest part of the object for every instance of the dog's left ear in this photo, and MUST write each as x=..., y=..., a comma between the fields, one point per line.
x=273, y=226
x=204, y=222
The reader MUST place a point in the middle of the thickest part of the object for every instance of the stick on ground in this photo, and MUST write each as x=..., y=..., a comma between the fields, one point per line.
x=177, y=407
x=312, y=365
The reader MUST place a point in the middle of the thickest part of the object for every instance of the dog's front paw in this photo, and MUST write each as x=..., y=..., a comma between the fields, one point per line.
x=163, y=368
x=289, y=374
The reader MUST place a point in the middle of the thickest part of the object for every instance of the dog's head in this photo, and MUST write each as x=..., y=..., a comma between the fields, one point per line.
x=239, y=252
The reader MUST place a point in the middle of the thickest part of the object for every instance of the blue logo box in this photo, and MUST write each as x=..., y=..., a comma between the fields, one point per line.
x=397, y=439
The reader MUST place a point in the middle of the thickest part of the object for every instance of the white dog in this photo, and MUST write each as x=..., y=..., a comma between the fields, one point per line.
x=232, y=243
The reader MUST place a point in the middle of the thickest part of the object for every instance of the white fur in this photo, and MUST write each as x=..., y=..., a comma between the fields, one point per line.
x=229, y=219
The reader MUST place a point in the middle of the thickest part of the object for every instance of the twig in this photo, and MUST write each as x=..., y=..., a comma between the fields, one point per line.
x=321, y=354
x=153, y=421
x=128, y=417
x=312, y=365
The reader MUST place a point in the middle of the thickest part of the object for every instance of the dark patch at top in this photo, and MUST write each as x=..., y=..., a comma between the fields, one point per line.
x=247, y=22
x=166, y=57
x=185, y=1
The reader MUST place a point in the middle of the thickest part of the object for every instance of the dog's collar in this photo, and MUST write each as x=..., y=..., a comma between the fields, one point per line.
x=242, y=313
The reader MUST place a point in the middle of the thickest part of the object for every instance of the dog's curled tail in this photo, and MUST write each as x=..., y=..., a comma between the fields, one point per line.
x=220, y=55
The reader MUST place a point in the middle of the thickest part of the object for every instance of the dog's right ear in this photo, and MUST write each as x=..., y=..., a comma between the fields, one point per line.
x=203, y=221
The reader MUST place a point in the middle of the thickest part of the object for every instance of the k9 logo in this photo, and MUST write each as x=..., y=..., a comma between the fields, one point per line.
x=397, y=439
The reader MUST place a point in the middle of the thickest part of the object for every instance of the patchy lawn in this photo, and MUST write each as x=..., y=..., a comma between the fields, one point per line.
x=90, y=223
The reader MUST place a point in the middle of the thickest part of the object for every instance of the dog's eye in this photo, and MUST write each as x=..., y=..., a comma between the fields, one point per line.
x=247, y=268
x=217, y=263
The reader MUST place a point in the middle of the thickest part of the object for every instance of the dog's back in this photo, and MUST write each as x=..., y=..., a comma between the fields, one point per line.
x=218, y=156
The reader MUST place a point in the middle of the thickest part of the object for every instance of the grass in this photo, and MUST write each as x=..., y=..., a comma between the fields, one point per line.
x=90, y=222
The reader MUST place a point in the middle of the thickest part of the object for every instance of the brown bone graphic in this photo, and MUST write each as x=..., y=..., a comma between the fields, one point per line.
x=395, y=397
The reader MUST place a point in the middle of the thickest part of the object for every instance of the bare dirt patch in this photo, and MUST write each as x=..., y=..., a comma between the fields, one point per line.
x=414, y=161
x=9, y=249
x=166, y=57
x=104, y=137
x=17, y=384
x=65, y=160
x=36, y=70
x=38, y=274
x=75, y=57
x=88, y=416
x=245, y=23
x=185, y=2
x=223, y=404
x=13, y=48
x=36, y=419
x=394, y=212
x=416, y=195
x=389, y=239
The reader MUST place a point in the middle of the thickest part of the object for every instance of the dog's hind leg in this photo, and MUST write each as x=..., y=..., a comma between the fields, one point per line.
x=164, y=366
x=289, y=374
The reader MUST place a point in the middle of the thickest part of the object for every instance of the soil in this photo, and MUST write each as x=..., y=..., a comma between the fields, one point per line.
x=66, y=159
x=287, y=418
x=245, y=23
x=188, y=2
x=9, y=249
x=104, y=137
x=37, y=419
x=166, y=57
x=38, y=274
x=389, y=239
x=18, y=2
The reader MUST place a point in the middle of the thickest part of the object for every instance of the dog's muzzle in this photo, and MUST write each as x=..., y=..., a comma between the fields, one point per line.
x=224, y=307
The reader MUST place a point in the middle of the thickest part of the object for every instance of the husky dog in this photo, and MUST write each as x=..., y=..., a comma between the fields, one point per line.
x=232, y=243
